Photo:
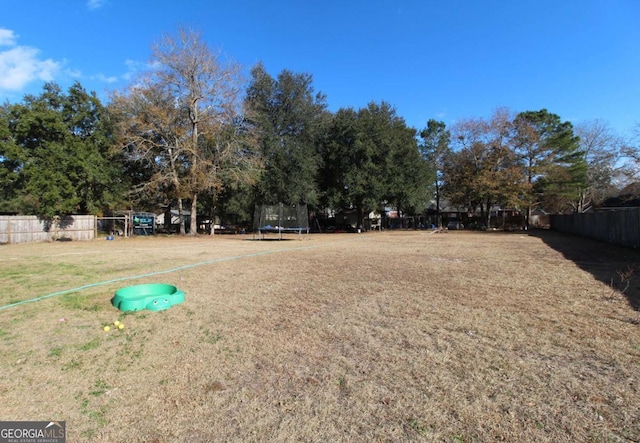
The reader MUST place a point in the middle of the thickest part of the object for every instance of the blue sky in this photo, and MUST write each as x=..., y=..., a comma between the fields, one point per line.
x=446, y=59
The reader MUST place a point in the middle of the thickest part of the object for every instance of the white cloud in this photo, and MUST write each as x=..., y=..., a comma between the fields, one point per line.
x=135, y=67
x=21, y=65
x=95, y=4
x=104, y=79
x=7, y=37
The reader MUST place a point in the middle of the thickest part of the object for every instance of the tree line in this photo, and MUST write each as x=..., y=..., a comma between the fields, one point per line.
x=194, y=134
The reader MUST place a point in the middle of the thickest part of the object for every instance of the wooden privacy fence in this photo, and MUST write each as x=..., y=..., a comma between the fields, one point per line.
x=620, y=227
x=29, y=228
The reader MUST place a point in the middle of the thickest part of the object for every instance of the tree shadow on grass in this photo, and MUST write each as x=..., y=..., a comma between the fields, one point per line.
x=615, y=266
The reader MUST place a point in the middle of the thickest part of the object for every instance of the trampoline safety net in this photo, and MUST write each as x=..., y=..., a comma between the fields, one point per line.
x=281, y=218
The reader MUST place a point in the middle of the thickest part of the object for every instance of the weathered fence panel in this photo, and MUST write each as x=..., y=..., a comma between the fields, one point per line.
x=29, y=228
x=620, y=227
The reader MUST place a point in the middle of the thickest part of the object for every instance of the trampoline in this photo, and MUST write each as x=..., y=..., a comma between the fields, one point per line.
x=280, y=219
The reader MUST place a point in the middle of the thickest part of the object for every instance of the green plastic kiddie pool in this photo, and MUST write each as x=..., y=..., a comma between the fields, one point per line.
x=153, y=296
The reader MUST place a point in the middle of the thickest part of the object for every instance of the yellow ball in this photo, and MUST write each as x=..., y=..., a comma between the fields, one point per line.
x=116, y=323
x=120, y=326
x=107, y=329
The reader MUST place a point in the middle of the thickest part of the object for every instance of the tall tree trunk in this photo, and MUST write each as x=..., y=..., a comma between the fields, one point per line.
x=488, y=214
x=438, y=218
x=168, y=218
x=483, y=214
x=193, y=226
x=212, y=218
x=181, y=216
x=194, y=145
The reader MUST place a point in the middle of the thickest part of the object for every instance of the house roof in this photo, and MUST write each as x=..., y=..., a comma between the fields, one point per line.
x=628, y=197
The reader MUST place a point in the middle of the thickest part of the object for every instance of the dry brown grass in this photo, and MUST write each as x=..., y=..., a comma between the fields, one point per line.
x=399, y=336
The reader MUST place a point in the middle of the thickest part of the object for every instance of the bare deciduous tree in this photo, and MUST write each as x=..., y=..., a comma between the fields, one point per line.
x=602, y=149
x=184, y=121
x=630, y=159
